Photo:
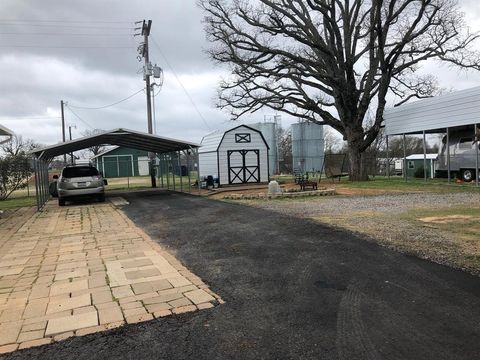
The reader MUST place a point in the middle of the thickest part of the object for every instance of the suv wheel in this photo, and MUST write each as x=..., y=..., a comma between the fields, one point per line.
x=61, y=202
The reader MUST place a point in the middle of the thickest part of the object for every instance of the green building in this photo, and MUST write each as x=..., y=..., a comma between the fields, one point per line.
x=415, y=163
x=122, y=162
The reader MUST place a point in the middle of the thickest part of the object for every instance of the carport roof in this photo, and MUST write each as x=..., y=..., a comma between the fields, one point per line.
x=121, y=137
x=5, y=132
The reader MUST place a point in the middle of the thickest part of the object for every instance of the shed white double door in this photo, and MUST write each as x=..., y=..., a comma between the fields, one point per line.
x=243, y=166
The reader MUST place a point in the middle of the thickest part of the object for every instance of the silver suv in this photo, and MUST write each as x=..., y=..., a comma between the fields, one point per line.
x=75, y=181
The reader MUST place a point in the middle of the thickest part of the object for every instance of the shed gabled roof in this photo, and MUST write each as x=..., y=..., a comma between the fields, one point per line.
x=420, y=157
x=120, y=137
x=105, y=152
x=212, y=141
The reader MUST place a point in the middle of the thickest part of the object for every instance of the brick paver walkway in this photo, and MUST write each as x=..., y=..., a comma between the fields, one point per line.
x=75, y=270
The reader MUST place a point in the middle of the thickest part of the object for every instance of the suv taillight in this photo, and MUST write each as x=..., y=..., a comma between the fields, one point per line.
x=64, y=180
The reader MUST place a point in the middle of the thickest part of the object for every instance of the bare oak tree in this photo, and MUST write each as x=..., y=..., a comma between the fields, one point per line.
x=333, y=61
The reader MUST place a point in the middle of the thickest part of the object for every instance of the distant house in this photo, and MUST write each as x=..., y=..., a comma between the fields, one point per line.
x=122, y=162
x=5, y=134
x=236, y=156
x=415, y=163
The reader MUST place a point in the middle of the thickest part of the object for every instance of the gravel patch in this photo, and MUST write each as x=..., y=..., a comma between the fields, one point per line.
x=388, y=204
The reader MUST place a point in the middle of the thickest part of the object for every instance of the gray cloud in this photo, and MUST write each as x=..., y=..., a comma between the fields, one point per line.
x=100, y=67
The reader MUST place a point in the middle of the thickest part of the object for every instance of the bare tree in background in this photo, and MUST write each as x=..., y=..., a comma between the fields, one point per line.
x=332, y=142
x=96, y=149
x=285, y=151
x=333, y=61
x=17, y=145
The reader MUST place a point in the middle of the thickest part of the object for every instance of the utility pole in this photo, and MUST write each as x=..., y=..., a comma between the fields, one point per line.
x=63, y=131
x=146, y=26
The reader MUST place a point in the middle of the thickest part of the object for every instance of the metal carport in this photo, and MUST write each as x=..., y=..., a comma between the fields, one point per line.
x=436, y=115
x=4, y=132
x=120, y=137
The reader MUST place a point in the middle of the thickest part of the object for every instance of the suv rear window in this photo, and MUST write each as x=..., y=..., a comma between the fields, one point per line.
x=79, y=171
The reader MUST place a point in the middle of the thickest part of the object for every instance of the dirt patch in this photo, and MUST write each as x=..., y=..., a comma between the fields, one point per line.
x=448, y=219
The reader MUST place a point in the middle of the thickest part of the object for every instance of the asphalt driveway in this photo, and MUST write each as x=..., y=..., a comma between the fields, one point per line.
x=294, y=289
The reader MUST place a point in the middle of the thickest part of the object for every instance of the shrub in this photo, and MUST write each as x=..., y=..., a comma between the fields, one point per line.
x=14, y=173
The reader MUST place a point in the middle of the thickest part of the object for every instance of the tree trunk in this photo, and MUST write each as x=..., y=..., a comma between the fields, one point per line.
x=356, y=167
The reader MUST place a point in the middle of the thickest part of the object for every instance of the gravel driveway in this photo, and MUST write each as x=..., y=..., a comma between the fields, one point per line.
x=390, y=204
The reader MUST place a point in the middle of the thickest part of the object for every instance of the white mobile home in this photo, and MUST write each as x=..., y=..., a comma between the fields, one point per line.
x=236, y=156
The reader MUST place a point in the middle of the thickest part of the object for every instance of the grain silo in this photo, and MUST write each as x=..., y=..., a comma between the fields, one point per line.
x=307, y=146
x=269, y=129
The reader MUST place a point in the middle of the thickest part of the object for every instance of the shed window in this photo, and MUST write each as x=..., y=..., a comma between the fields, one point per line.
x=411, y=164
x=465, y=143
x=242, y=138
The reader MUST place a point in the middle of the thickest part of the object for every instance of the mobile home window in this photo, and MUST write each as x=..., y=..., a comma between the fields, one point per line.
x=465, y=143
x=411, y=164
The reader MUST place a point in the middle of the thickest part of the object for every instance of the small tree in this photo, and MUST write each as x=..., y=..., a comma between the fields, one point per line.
x=15, y=171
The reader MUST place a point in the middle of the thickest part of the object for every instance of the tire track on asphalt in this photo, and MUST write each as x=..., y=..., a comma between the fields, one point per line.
x=352, y=339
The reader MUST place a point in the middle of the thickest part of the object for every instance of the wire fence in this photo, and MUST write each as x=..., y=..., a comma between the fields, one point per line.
x=170, y=173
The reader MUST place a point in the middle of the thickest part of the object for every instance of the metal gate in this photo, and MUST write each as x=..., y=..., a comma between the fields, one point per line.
x=243, y=166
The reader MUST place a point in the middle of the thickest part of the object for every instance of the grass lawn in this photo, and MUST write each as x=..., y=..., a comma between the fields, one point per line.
x=18, y=201
x=463, y=226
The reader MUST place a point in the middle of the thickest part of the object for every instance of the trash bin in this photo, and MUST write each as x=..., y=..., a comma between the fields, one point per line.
x=210, y=182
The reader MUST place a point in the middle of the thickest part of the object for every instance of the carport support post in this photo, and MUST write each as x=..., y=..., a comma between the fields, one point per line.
x=404, y=158
x=152, y=169
x=388, y=159
x=167, y=171
x=448, y=154
x=187, y=153
x=477, y=143
x=37, y=191
x=179, y=162
x=173, y=170
x=160, y=169
x=424, y=157
x=197, y=158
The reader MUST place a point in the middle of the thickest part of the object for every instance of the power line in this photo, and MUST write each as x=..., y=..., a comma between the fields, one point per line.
x=65, y=21
x=65, y=47
x=106, y=106
x=29, y=117
x=181, y=85
x=69, y=26
x=78, y=116
x=63, y=34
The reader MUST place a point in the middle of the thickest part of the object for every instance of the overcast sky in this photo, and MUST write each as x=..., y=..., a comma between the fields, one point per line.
x=84, y=52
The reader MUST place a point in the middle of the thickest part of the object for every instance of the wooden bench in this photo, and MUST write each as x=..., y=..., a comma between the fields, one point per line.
x=304, y=184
